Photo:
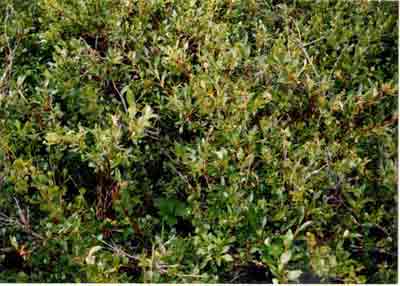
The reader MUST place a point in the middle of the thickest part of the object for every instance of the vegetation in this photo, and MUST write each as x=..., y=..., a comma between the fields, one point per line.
x=198, y=141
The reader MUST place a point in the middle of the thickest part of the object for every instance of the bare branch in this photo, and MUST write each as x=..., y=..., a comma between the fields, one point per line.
x=121, y=97
x=118, y=250
x=21, y=223
x=337, y=61
x=11, y=51
x=315, y=172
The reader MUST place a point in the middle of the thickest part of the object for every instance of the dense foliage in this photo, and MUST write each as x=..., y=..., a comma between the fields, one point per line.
x=198, y=141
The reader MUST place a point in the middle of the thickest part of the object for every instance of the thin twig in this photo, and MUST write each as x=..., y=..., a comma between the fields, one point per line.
x=337, y=61
x=7, y=249
x=192, y=275
x=11, y=52
x=301, y=45
x=118, y=249
x=121, y=96
x=372, y=249
x=176, y=170
x=302, y=69
x=8, y=221
x=314, y=41
x=315, y=172
x=237, y=277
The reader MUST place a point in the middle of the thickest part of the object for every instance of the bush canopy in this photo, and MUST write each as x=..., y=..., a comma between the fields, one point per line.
x=198, y=141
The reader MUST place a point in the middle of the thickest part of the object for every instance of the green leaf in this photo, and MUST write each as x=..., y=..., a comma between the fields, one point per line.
x=285, y=257
x=294, y=275
x=227, y=257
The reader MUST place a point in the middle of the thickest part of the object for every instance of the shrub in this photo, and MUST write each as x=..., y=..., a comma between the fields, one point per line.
x=198, y=141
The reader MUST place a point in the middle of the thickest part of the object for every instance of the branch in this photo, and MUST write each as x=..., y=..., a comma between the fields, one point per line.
x=11, y=52
x=120, y=96
x=315, y=172
x=301, y=45
x=337, y=61
x=118, y=249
